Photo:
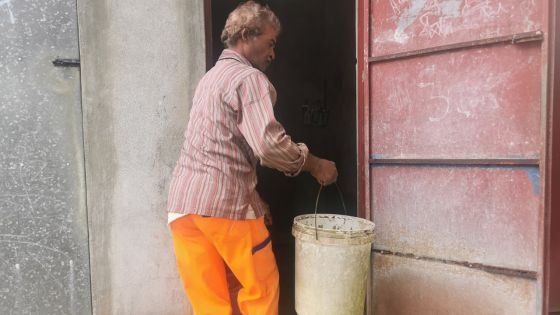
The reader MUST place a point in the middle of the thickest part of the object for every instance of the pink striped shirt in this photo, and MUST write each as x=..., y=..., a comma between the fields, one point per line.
x=231, y=128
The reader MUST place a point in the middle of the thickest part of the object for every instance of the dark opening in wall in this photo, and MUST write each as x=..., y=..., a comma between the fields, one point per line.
x=315, y=77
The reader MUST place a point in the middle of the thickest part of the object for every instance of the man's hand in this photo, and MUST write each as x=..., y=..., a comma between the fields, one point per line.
x=323, y=170
x=268, y=220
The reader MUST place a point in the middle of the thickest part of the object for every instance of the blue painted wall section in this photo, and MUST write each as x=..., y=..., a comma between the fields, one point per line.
x=535, y=178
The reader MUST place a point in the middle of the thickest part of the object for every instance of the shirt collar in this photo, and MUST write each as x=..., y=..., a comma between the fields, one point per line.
x=232, y=54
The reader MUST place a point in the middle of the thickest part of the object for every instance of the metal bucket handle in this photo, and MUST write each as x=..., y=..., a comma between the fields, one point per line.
x=317, y=205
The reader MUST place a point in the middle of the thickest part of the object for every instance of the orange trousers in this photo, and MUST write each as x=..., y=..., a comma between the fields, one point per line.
x=203, y=247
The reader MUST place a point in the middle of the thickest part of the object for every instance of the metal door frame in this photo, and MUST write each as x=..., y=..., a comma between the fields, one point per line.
x=552, y=142
x=362, y=126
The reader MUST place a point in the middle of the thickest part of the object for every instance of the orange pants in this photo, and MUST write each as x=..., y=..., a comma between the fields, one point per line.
x=204, y=244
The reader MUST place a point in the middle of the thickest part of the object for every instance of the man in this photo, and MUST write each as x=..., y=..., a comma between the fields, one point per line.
x=216, y=216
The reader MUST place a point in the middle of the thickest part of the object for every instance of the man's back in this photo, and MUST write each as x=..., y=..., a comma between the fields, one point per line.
x=215, y=155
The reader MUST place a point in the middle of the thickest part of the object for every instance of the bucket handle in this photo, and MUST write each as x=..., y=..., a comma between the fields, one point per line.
x=317, y=205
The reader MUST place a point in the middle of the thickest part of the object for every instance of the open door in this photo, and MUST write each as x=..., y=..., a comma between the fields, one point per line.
x=453, y=134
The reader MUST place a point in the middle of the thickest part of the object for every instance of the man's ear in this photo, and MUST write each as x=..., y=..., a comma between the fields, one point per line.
x=244, y=35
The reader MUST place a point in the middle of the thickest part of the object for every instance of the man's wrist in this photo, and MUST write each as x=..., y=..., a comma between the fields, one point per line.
x=311, y=164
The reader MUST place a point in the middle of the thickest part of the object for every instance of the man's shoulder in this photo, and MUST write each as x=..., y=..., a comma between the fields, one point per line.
x=253, y=74
x=230, y=69
x=235, y=73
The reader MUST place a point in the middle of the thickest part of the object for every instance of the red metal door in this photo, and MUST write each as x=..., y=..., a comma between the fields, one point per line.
x=554, y=295
x=453, y=133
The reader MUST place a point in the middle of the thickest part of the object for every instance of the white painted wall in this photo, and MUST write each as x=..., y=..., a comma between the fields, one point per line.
x=140, y=63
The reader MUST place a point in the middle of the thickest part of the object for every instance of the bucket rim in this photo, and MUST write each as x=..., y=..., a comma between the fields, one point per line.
x=361, y=231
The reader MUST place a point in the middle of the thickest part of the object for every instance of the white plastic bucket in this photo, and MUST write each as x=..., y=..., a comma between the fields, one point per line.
x=332, y=263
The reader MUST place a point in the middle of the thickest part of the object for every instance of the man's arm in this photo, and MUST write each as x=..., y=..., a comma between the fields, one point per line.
x=269, y=140
x=323, y=170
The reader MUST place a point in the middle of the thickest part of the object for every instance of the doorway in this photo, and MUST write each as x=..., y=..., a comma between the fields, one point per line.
x=315, y=77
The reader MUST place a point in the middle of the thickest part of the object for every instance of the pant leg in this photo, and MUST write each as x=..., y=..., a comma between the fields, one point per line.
x=201, y=269
x=234, y=286
x=245, y=247
x=266, y=273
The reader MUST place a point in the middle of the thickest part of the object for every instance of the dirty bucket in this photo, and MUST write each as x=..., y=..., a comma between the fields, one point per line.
x=332, y=256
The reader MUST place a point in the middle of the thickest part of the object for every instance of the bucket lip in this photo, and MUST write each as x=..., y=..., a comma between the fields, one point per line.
x=300, y=225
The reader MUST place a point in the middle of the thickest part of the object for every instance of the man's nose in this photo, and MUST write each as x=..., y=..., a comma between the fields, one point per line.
x=272, y=55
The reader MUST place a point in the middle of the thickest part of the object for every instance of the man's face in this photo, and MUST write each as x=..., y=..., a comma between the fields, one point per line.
x=259, y=50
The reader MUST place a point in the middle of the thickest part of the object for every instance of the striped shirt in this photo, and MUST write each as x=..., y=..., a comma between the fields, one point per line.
x=231, y=128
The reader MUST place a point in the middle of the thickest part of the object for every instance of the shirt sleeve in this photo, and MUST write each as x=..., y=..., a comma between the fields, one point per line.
x=264, y=134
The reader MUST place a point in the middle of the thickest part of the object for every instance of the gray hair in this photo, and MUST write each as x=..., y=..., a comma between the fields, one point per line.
x=251, y=17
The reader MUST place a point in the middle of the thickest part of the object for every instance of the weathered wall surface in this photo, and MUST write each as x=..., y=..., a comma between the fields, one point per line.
x=141, y=61
x=44, y=264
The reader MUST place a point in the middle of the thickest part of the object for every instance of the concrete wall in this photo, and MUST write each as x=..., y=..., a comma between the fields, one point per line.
x=141, y=61
x=44, y=263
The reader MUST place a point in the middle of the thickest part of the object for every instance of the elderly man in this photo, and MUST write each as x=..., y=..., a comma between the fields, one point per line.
x=216, y=216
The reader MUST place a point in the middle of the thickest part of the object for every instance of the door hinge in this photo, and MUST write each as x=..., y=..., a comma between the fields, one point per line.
x=59, y=62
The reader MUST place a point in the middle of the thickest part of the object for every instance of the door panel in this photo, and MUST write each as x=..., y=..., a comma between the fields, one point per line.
x=473, y=214
x=482, y=103
x=399, y=25
x=452, y=151
x=405, y=286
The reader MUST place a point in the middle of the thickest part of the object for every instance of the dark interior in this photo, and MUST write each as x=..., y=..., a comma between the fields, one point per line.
x=314, y=73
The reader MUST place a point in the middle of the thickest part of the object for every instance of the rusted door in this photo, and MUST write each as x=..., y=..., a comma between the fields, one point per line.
x=554, y=264
x=453, y=131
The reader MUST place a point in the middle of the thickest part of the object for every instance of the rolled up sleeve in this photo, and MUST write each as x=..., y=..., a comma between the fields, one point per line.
x=264, y=134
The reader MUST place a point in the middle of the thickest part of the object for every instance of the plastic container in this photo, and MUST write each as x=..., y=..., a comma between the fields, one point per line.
x=332, y=263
